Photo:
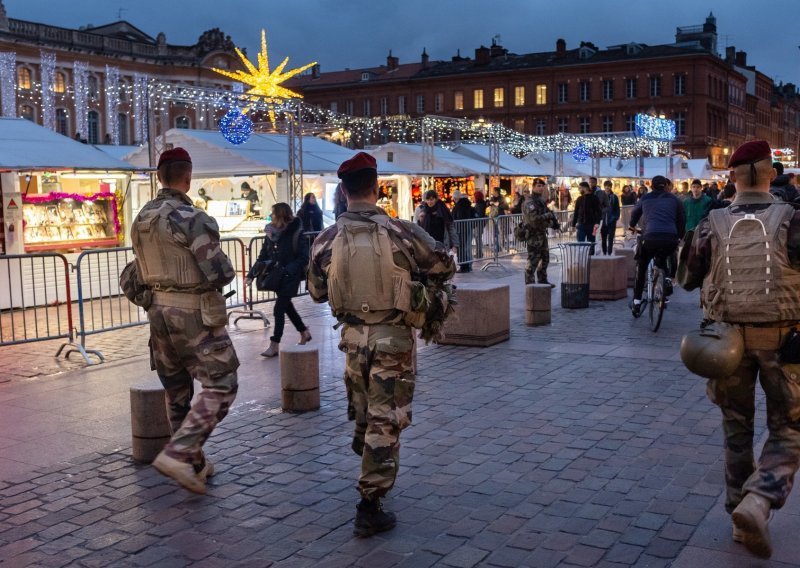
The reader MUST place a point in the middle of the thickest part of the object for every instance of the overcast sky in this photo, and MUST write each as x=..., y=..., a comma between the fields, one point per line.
x=359, y=33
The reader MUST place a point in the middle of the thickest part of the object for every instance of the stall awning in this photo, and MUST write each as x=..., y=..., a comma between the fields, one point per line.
x=509, y=165
x=26, y=146
x=212, y=155
x=408, y=159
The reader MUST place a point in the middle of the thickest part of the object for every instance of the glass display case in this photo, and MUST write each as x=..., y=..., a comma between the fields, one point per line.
x=60, y=221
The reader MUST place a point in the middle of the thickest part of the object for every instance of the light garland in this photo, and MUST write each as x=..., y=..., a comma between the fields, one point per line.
x=112, y=103
x=8, y=84
x=140, y=93
x=654, y=128
x=80, y=72
x=235, y=126
x=48, y=69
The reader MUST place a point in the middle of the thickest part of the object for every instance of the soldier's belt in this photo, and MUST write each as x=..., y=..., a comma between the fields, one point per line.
x=764, y=338
x=185, y=300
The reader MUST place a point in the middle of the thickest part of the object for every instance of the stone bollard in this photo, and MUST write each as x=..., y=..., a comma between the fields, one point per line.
x=537, y=304
x=299, y=378
x=607, y=278
x=630, y=263
x=482, y=316
x=150, y=430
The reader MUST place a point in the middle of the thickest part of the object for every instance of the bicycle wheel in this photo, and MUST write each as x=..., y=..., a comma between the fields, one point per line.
x=656, y=308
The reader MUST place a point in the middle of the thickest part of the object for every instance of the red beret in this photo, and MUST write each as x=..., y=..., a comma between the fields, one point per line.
x=361, y=161
x=174, y=155
x=750, y=153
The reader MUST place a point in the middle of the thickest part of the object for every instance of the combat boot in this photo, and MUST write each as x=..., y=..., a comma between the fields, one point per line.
x=181, y=472
x=371, y=518
x=751, y=518
x=205, y=469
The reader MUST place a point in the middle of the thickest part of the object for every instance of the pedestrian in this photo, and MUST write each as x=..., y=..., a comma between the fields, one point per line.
x=378, y=321
x=641, y=192
x=287, y=247
x=464, y=211
x=602, y=198
x=310, y=214
x=497, y=203
x=251, y=195
x=746, y=258
x=564, y=197
x=628, y=195
x=536, y=220
x=781, y=186
x=339, y=201
x=480, y=213
x=696, y=206
x=436, y=219
x=608, y=229
x=178, y=256
x=587, y=215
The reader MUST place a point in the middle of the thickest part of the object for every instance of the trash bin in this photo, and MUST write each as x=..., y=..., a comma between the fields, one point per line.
x=575, y=274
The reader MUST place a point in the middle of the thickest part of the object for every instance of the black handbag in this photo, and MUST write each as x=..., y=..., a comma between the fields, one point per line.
x=267, y=275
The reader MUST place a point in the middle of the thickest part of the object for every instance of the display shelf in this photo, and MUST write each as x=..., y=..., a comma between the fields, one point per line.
x=58, y=221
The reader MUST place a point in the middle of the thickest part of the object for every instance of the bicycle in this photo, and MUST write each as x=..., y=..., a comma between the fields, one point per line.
x=654, y=298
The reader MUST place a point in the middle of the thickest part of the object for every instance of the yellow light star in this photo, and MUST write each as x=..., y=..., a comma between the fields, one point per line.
x=263, y=82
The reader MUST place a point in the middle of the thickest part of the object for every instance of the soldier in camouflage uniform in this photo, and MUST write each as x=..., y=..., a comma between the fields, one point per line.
x=537, y=218
x=179, y=259
x=379, y=345
x=746, y=257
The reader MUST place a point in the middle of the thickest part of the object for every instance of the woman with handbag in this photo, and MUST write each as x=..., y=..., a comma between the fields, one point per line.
x=280, y=267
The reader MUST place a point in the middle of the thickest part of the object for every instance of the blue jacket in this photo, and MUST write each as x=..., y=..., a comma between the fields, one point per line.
x=661, y=214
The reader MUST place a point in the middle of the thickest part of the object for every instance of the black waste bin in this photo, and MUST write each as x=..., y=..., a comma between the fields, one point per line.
x=575, y=274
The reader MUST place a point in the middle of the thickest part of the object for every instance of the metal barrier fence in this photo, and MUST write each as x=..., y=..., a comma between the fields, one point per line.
x=30, y=312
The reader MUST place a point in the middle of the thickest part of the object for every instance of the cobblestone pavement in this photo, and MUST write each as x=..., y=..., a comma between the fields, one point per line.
x=583, y=443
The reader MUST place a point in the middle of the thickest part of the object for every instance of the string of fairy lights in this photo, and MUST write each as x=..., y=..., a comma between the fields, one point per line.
x=212, y=105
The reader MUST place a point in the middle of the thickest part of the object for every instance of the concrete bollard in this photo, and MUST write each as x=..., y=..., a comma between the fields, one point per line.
x=630, y=263
x=482, y=316
x=150, y=430
x=607, y=278
x=299, y=378
x=538, y=304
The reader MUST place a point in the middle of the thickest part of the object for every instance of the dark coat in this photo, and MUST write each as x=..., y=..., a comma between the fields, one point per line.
x=587, y=210
x=480, y=208
x=311, y=217
x=293, y=263
x=463, y=209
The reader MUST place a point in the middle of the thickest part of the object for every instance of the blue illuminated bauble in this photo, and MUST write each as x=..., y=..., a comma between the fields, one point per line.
x=580, y=153
x=236, y=127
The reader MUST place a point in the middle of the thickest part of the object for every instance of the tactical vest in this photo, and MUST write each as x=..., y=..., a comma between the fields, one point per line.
x=164, y=263
x=751, y=279
x=363, y=279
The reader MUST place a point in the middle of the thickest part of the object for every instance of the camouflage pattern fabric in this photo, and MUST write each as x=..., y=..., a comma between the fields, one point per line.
x=183, y=349
x=379, y=378
x=772, y=477
x=537, y=218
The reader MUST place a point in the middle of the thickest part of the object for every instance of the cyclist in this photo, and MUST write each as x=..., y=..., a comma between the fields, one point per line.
x=663, y=225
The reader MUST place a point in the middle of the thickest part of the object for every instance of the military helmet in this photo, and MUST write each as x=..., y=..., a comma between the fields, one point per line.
x=714, y=351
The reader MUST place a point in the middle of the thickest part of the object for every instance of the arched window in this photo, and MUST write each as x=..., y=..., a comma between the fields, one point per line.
x=94, y=127
x=62, y=121
x=26, y=112
x=91, y=87
x=60, y=84
x=182, y=122
x=24, y=78
x=122, y=120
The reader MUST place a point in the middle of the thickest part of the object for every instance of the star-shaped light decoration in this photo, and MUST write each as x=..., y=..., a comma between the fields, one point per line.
x=263, y=82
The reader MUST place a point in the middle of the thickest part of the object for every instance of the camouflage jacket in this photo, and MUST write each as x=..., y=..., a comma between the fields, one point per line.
x=536, y=216
x=435, y=266
x=193, y=228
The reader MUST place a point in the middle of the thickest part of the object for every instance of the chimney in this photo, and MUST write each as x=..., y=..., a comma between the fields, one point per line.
x=561, y=47
x=482, y=56
x=315, y=71
x=392, y=62
x=424, y=58
x=741, y=58
x=730, y=54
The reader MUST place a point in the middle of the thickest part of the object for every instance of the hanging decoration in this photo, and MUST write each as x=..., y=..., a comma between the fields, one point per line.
x=48, y=89
x=265, y=84
x=112, y=103
x=140, y=107
x=8, y=84
x=236, y=127
x=80, y=73
x=580, y=153
x=654, y=127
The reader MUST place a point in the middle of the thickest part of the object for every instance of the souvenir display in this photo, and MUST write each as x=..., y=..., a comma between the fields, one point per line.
x=66, y=221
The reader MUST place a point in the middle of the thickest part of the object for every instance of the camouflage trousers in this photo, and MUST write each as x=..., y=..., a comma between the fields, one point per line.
x=182, y=349
x=538, y=260
x=380, y=382
x=773, y=475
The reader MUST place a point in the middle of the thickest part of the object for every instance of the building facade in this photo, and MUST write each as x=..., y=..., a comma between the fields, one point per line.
x=91, y=83
x=717, y=103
